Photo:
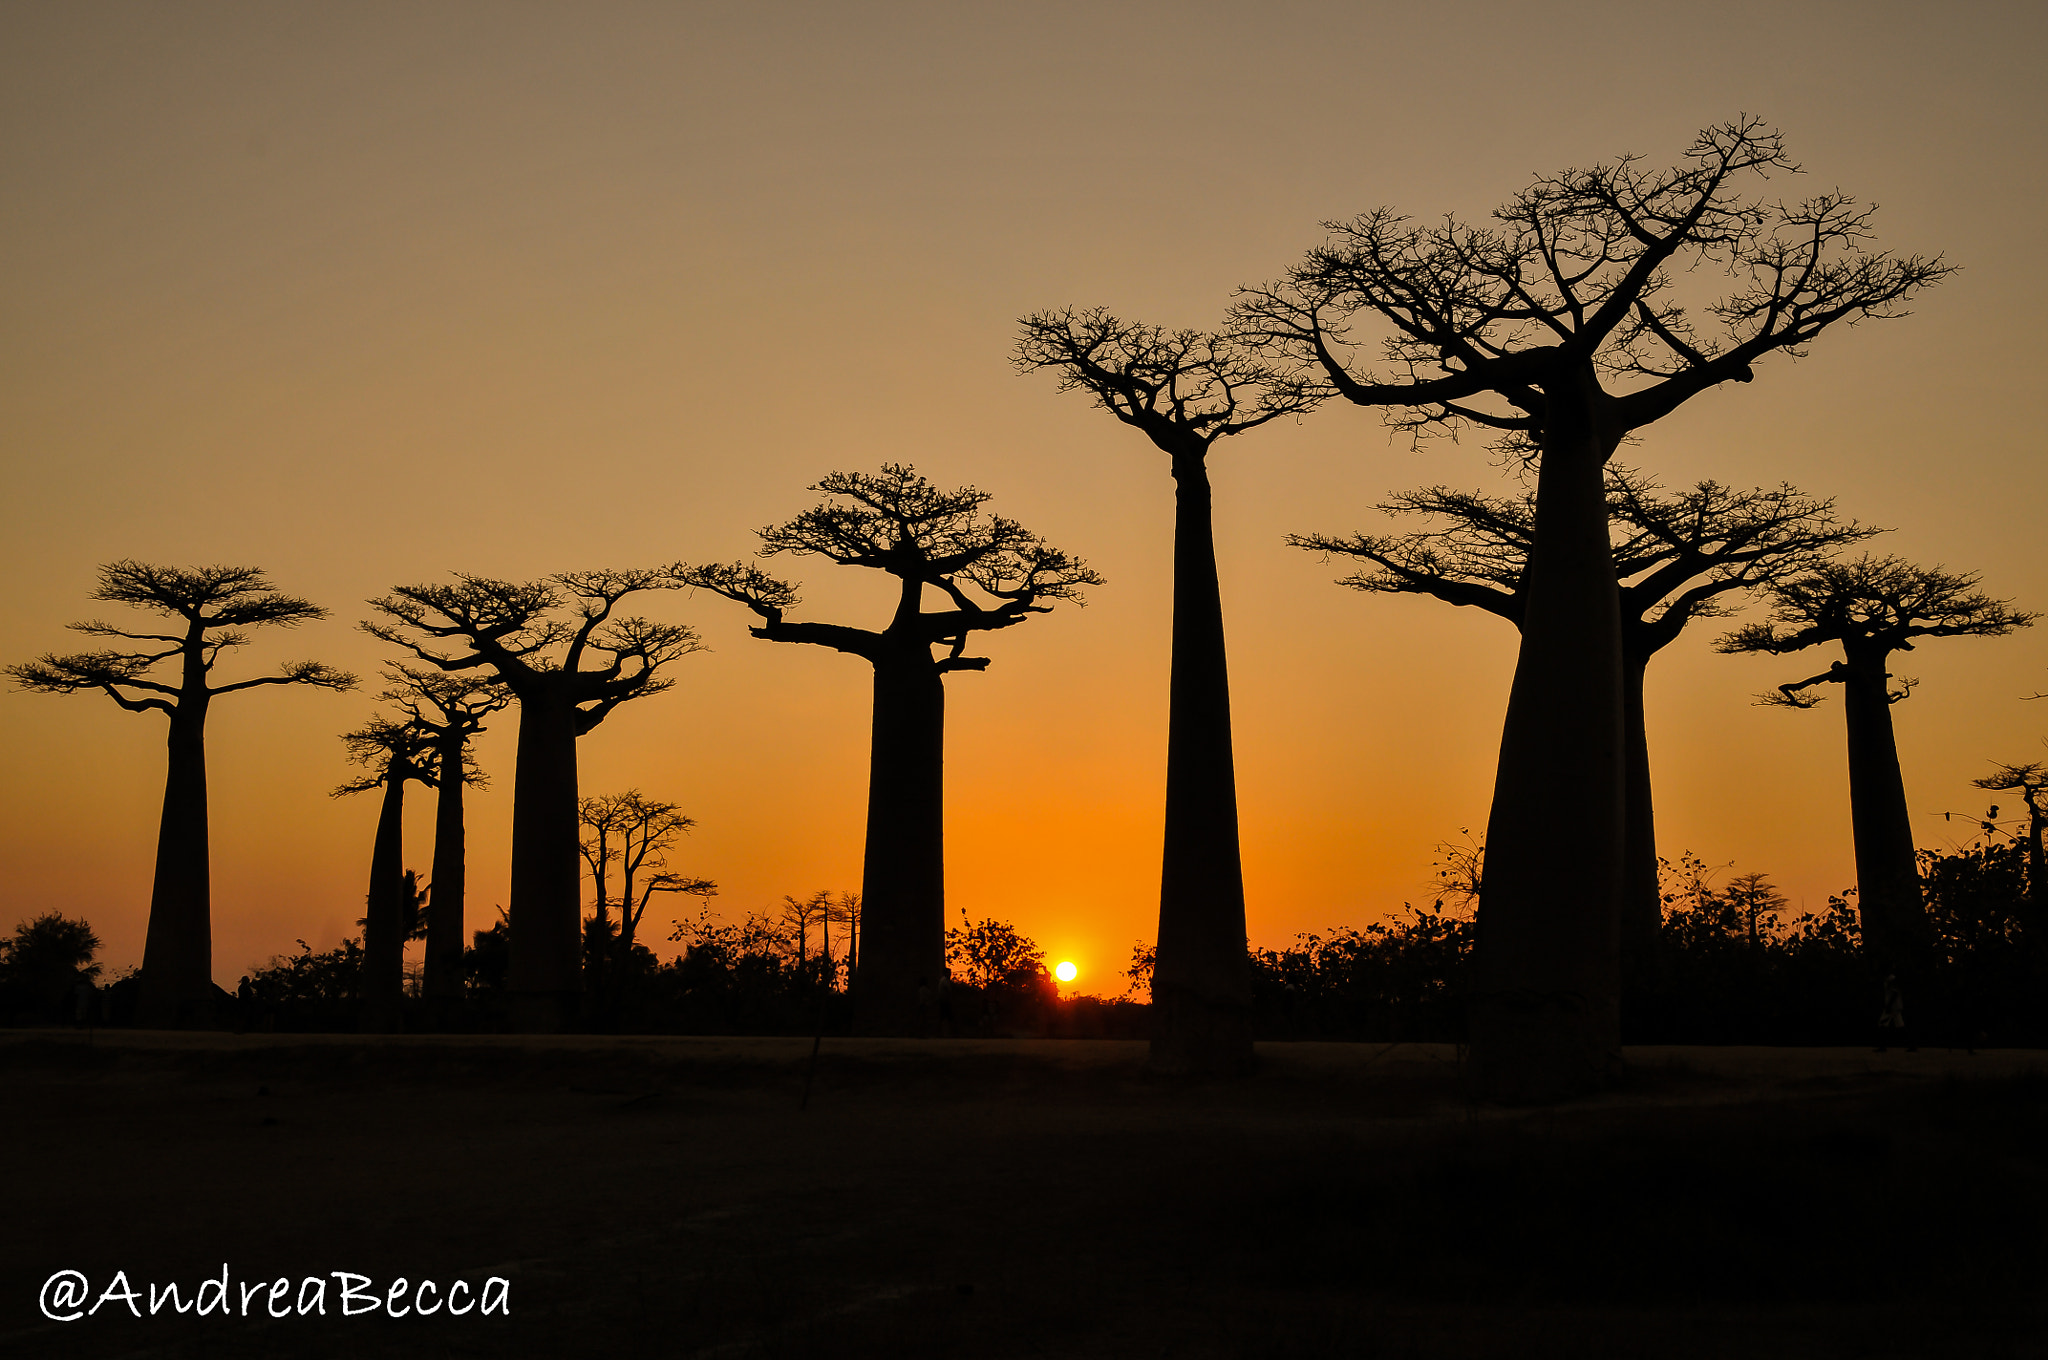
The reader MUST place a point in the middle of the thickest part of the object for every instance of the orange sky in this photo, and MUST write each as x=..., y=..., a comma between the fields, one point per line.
x=368, y=294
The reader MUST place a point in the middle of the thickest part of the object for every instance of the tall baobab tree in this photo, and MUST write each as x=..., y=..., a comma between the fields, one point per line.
x=450, y=708
x=1676, y=557
x=632, y=834
x=211, y=607
x=568, y=674
x=993, y=575
x=1184, y=391
x=1563, y=327
x=393, y=753
x=1873, y=607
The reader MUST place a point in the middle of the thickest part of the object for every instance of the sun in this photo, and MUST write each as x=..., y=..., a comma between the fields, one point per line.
x=1066, y=972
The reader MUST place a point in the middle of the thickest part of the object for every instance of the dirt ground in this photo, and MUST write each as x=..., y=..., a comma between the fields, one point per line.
x=670, y=1196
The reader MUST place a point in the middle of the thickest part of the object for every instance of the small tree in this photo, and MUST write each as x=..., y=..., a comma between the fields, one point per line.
x=844, y=910
x=1185, y=391
x=44, y=960
x=993, y=956
x=568, y=674
x=1872, y=608
x=1756, y=902
x=994, y=574
x=631, y=834
x=1676, y=558
x=2030, y=782
x=799, y=914
x=1563, y=326
x=393, y=753
x=211, y=606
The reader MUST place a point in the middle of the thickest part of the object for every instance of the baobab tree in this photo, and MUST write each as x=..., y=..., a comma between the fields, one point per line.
x=632, y=834
x=1874, y=607
x=211, y=606
x=1184, y=391
x=1562, y=327
x=450, y=709
x=393, y=753
x=517, y=633
x=799, y=914
x=2030, y=782
x=1676, y=557
x=1756, y=902
x=844, y=910
x=994, y=574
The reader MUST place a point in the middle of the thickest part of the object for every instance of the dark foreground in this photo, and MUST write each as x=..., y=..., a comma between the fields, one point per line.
x=1005, y=1198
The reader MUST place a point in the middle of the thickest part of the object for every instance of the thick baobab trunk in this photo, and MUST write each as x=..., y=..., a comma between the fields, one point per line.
x=1642, y=909
x=443, y=981
x=1544, y=1010
x=1201, y=982
x=383, y=938
x=177, y=954
x=544, y=913
x=903, y=872
x=1887, y=871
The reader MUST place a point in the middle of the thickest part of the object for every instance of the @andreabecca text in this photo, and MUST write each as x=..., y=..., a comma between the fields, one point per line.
x=68, y=1296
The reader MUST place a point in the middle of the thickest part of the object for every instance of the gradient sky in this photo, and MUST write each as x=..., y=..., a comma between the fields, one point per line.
x=366, y=294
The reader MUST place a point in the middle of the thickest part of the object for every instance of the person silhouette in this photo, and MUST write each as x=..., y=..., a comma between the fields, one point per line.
x=1891, y=1021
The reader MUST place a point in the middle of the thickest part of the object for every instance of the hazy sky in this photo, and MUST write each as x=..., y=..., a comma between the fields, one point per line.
x=366, y=294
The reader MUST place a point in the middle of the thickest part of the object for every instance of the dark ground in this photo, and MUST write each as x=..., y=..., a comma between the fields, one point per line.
x=1007, y=1198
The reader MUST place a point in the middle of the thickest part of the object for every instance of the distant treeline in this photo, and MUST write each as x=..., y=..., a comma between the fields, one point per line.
x=1734, y=966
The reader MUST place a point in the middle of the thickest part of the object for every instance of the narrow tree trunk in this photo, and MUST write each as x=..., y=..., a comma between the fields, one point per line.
x=629, y=928
x=903, y=872
x=595, y=963
x=443, y=981
x=1544, y=1013
x=1887, y=871
x=1642, y=912
x=177, y=953
x=545, y=910
x=1201, y=984
x=2037, y=887
x=383, y=941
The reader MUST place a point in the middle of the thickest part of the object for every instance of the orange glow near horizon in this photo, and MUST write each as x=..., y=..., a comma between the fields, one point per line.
x=372, y=295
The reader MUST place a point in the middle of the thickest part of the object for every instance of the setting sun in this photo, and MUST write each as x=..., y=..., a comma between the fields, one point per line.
x=1065, y=972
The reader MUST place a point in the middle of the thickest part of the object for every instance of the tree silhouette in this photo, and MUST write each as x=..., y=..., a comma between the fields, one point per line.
x=633, y=833
x=393, y=752
x=844, y=910
x=1562, y=327
x=2030, y=782
x=1754, y=898
x=211, y=606
x=799, y=914
x=1675, y=557
x=43, y=962
x=1873, y=607
x=449, y=708
x=1185, y=390
x=992, y=954
x=516, y=633
x=994, y=575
